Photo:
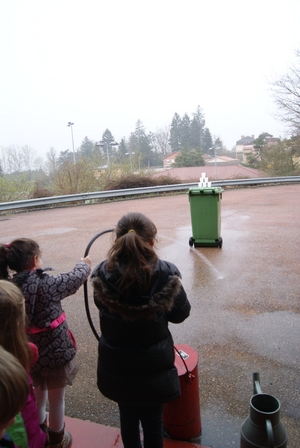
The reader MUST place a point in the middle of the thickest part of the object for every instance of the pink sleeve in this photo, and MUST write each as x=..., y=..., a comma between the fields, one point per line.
x=36, y=437
x=35, y=351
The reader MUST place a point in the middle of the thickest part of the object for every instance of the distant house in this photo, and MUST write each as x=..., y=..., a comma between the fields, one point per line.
x=221, y=161
x=170, y=159
x=272, y=140
x=245, y=144
x=248, y=146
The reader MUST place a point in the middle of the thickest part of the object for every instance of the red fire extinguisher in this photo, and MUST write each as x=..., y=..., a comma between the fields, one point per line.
x=182, y=420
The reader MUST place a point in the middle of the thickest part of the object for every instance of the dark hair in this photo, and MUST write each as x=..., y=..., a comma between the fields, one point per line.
x=17, y=256
x=132, y=251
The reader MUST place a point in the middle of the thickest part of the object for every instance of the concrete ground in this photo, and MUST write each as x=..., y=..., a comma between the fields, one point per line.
x=245, y=299
x=92, y=435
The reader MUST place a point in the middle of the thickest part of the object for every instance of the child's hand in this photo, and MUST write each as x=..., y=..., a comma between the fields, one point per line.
x=87, y=260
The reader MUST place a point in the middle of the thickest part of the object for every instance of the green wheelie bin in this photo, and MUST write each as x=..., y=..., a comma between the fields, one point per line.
x=205, y=206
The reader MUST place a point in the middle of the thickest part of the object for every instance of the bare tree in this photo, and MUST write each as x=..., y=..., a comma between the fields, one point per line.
x=51, y=162
x=160, y=141
x=286, y=92
x=3, y=160
x=16, y=159
x=28, y=157
x=39, y=163
x=79, y=178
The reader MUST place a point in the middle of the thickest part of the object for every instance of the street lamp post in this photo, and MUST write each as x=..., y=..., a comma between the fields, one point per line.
x=70, y=124
x=107, y=144
x=130, y=154
x=215, y=149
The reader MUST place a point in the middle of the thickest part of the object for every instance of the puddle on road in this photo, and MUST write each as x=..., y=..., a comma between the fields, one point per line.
x=218, y=274
x=55, y=231
x=219, y=428
x=173, y=248
x=274, y=335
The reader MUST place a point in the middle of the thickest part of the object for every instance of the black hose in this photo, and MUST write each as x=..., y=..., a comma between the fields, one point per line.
x=85, y=285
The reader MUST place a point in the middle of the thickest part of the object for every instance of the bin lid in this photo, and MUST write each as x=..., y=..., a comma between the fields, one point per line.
x=205, y=190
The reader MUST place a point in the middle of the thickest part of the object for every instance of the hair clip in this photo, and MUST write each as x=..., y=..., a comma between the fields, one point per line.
x=7, y=245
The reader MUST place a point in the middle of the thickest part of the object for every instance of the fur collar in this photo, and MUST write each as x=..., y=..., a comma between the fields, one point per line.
x=136, y=308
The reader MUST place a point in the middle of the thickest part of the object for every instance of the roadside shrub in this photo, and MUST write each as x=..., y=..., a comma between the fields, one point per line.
x=129, y=181
x=167, y=180
x=15, y=188
x=40, y=191
x=139, y=181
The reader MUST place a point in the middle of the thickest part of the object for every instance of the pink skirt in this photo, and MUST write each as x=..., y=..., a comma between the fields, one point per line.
x=55, y=378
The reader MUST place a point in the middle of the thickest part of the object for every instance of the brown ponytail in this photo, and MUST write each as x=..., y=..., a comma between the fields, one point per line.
x=133, y=252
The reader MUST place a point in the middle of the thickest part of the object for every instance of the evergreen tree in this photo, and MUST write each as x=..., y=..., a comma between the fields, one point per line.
x=198, y=129
x=87, y=147
x=143, y=144
x=133, y=144
x=123, y=147
x=185, y=132
x=108, y=145
x=63, y=157
x=195, y=134
x=188, y=133
x=260, y=142
x=140, y=130
x=189, y=157
x=207, y=140
x=107, y=136
x=121, y=153
x=174, y=139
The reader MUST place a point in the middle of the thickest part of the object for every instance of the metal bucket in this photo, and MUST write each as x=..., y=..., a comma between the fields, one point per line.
x=263, y=428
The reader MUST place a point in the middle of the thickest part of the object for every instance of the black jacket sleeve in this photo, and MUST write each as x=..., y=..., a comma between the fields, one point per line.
x=181, y=308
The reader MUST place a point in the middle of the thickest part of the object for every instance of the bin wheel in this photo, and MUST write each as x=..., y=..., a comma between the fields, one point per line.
x=220, y=244
x=191, y=241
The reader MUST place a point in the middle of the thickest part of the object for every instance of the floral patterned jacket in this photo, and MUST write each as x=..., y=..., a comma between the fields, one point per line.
x=43, y=294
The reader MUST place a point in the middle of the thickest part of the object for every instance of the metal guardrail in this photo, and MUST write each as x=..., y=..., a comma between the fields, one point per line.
x=89, y=197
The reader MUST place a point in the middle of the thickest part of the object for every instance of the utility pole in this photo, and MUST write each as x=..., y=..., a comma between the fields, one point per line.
x=70, y=124
x=106, y=144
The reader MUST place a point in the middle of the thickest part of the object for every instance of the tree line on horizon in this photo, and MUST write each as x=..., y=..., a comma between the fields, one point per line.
x=94, y=163
x=146, y=149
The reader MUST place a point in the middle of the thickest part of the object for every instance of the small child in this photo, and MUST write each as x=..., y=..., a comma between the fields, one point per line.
x=47, y=328
x=14, y=389
x=26, y=430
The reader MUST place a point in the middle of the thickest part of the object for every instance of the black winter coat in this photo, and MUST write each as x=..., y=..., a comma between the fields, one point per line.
x=136, y=350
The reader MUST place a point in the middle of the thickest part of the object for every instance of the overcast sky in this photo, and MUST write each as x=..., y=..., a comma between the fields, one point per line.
x=109, y=63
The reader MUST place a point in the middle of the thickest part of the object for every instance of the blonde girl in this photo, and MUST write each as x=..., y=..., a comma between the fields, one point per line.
x=13, y=338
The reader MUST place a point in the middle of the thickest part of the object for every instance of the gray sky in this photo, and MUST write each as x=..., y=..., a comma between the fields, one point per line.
x=109, y=63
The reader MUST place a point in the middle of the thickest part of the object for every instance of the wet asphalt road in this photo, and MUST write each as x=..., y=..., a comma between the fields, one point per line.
x=245, y=299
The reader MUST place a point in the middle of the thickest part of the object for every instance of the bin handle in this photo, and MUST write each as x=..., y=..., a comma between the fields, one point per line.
x=201, y=191
x=189, y=377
